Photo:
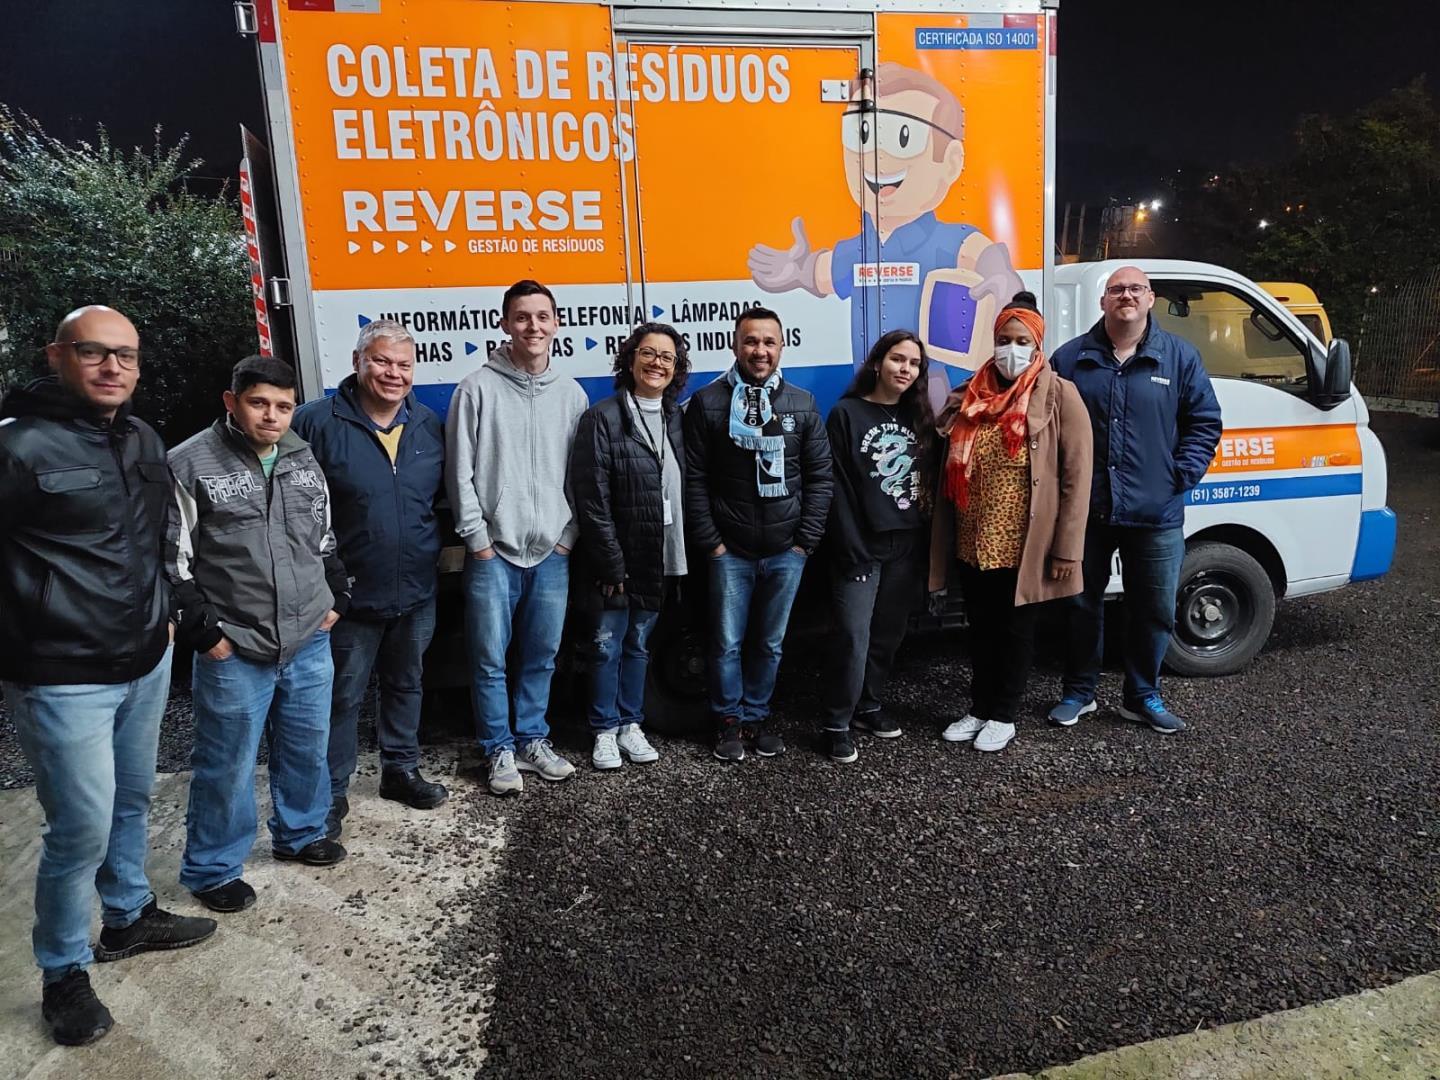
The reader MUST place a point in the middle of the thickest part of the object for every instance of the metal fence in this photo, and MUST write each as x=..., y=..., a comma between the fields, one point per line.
x=1397, y=355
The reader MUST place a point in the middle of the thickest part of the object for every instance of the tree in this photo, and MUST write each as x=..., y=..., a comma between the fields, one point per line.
x=1356, y=204
x=91, y=223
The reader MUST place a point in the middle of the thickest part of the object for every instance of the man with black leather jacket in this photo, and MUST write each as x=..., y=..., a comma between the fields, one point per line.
x=85, y=649
x=757, y=495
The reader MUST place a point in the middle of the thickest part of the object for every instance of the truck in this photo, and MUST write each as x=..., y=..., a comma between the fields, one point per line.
x=857, y=165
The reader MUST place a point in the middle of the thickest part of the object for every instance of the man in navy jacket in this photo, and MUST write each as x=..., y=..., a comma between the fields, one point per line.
x=383, y=454
x=1156, y=424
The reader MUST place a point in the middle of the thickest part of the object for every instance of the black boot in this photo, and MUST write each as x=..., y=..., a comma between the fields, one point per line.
x=73, y=1012
x=409, y=787
x=334, y=820
x=153, y=931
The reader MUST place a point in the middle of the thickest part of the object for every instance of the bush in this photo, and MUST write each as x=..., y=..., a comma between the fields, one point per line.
x=91, y=223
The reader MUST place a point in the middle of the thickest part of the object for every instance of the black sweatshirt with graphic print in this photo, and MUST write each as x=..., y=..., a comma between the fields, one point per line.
x=879, y=480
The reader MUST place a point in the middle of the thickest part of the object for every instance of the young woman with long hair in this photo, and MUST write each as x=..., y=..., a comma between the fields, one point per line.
x=882, y=438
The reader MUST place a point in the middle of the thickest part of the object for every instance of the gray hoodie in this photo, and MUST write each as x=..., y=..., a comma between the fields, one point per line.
x=507, y=446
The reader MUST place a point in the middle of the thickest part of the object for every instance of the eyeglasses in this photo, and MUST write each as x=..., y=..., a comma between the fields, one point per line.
x=651, y=356
x=1117, y=291
x=903, y=135
x=93, y=354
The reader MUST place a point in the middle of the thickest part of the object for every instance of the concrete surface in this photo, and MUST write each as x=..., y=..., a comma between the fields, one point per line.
x=1393, y=1033
x=319, y=979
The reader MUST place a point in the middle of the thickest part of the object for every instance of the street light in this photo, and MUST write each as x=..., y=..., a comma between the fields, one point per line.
x=1155, y=204
x=1264, y=224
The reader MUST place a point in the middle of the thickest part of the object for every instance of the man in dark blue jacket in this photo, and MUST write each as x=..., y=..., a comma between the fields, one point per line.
x=1156, y=424
x=383, y=454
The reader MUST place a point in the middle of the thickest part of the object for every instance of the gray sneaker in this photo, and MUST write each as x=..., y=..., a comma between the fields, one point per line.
x=504, y=777
x=539, y=757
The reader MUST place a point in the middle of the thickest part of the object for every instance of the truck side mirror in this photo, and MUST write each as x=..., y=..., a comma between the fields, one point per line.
x=1330, y=383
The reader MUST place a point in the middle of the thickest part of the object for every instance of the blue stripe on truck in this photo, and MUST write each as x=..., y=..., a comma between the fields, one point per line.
x=1284, y=487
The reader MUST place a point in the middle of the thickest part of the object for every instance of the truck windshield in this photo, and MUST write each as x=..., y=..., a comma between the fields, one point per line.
x=1237, y=338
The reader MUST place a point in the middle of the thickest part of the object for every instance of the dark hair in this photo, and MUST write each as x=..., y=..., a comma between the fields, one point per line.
x=524, y=287
x=914, y=404
x=625, y=360
x=254, y=370
x=755, y=314
x=1023, y=299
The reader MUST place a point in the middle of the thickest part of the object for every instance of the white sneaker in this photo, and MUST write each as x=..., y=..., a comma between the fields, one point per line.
x=635, y=746
x=963, y=730
x=539, y=757
x=994, y=736
x=606, y=754
x=505, y=779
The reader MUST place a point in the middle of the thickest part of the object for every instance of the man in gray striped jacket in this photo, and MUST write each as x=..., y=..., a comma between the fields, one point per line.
x=252, y=557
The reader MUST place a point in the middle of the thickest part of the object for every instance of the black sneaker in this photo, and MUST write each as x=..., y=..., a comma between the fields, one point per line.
x=876, y=723
x=75, y=1015
x=839, y=746
x=409, y=787
x=153, y=931
x=320, y=852
x=765, y=741
x=335, y=819
x=229, y=898
x=729, y=745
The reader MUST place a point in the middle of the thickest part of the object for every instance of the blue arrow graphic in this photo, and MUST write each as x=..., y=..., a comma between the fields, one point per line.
x=590, y=343
x=363, y=320
x=470, y=347
x=656, y=310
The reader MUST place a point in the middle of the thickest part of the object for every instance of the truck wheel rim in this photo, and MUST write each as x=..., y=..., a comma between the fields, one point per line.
x=1212, y=610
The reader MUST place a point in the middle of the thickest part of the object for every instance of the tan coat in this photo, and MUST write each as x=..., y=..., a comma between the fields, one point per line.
x=1061, y=458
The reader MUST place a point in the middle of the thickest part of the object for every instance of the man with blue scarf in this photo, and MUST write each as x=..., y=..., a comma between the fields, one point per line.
x=757, y=493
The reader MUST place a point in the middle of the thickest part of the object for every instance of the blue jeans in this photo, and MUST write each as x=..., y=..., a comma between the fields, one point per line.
x=1150, y=569
x=235, y=701
x=394, y=648
x=504, y=601
x=622, y=658
x=92, y=749
x=750, y=603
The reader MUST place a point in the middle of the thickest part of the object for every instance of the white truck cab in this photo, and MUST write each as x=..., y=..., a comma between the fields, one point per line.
x=1294, y=502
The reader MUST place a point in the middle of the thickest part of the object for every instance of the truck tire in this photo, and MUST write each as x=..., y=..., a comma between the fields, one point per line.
x=1224, y=608
x=675, y=700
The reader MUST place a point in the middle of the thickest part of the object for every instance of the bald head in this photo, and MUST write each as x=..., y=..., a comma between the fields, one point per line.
x=1126, y=302
x=84, y=355
x=90, y=317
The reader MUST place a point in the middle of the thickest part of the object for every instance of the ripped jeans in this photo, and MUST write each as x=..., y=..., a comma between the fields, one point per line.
x=620, y=640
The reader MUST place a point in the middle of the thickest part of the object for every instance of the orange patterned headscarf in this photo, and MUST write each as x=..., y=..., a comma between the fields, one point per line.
x=985, y=399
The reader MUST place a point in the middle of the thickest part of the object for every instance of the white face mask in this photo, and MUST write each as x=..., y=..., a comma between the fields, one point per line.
x=1012, y=360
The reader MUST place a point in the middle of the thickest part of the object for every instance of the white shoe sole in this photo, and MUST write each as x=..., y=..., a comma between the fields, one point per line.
x=964, y=736
x=607, y=766
x=506, y=792
x=525, y=766
x=1084, y=711
x=991, y=748
x=640, y=759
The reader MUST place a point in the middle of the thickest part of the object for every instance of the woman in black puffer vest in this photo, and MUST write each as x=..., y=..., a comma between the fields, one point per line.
x=627, y=476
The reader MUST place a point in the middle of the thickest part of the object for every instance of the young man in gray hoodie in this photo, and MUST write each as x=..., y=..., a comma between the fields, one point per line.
x=508, y=437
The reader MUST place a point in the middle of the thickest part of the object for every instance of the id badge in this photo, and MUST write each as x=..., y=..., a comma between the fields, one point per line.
x=669, y=517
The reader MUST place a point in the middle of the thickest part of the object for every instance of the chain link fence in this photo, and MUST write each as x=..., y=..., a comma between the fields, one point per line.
x=1397, y=356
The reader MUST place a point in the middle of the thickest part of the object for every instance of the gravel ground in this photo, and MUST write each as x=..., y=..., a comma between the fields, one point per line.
x=933, y=911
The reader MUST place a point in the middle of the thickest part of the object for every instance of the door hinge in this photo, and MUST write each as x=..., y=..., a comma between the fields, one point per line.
x=278, y=289
x=246, y=21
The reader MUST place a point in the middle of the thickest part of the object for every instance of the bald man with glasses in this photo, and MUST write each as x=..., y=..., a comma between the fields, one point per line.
x=85, y=648
x=1156, y=424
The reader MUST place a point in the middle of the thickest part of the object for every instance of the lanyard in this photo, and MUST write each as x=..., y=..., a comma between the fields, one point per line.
x=658, y=451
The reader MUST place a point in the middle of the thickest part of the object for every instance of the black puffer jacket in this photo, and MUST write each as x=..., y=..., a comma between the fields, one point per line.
x=722, y=498
x=615, y=479
x=83, y=505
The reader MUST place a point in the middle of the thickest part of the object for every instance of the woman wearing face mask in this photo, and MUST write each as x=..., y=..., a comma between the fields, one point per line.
x=1017, y=481
x=627, y=476
x=882, y=438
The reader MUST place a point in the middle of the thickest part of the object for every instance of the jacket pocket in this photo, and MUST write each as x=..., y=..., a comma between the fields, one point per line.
x=64, y=481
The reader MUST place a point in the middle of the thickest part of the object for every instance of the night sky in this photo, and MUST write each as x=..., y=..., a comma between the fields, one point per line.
x=1144, y=88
